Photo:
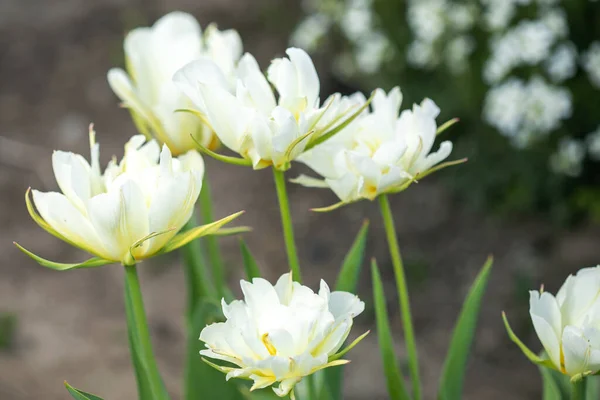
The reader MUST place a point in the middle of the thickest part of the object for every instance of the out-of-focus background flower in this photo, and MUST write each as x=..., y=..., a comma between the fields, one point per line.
x=522, y=75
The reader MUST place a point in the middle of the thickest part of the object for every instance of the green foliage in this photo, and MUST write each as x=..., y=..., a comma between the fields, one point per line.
x=80, y=394
x=201, y=380
x=453, y=374
x=250, y=264
x=347, y=281
x=394, y=379
x=8, y=326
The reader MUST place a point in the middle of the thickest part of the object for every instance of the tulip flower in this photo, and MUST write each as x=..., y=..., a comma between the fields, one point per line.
x=152, y=57
x=130, y=212
x=250, y=120
x=380, y=152
x=281, y=333
x=568, y=325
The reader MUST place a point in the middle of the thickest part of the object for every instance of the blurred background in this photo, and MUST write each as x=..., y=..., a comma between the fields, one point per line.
x=522, y=75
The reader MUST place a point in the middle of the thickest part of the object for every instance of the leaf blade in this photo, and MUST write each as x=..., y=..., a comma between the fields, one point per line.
x=80, y=394
x=453, y=373
x=250, y=264
x=394, y=379
x=92, y=262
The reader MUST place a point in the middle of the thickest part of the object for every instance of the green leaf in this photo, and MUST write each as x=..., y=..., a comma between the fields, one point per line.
x=593, y=388
x=79, y=394
x=394, y=379
x=348, y=277
x=92, y=262
x=202, y=381
x=250, y=265
x=453, y=374
x=346, y=281
x=184, y=238
x=550, y=388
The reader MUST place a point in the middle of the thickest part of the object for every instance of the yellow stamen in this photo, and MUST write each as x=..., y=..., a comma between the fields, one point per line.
x=267, y=342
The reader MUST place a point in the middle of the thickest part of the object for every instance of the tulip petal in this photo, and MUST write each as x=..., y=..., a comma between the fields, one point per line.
x=120, y=218
x=60, y=214
x=546, y=319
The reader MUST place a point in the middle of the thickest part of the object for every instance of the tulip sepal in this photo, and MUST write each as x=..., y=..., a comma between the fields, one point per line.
x=534, y=358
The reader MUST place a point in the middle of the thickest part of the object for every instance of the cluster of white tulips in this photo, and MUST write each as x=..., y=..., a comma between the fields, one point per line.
x=188, y=92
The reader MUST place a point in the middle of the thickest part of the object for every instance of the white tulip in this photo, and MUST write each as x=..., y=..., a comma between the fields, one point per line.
x=153, y=55
x=131, y=211
x=281, y=333
x=379, y=152
x=249, y=119
x=568, y=324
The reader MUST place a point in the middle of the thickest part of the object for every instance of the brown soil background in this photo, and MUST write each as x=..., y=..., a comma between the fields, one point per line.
x=54, y=55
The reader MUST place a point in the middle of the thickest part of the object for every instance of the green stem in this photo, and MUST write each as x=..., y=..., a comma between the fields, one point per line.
x=286, y=222
x=197, y=280
x=212, y=244
x=137, y=325
x=578, y=389
x=407, y=325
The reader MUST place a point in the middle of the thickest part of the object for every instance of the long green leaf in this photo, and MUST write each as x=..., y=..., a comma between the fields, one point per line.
x=80, y=394
x=348, y=277
x=201, y=380
x=250, y=264
x=394, y=379
x=592, y=388
x=347, y=282
x=453, y=375
x=550, y=388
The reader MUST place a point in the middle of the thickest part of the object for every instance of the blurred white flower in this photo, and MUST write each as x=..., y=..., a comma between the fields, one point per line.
x=591, y=63
x=461, y=17
x=568, y=158
x=152, y=57
x=249, y=120
x=371, y=51
x=357, y=21
x=132, y=210
x=281, y=333
x=380, y=152
x=427, y=19
x=498, y=13
x=525, y=111
x=562, y=64
x=593, y=144
x=567, y=324
x=556, y=20
x=310, y=31
x=422, y=54
x=457, y=53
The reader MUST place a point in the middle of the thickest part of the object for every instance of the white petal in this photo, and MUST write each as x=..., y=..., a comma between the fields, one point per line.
x=172, y=206
x=256, y=84
x=576, y=350
x=283, y=287
x=67, y=220
x=73, y=175
x=199, y=71
x=120, y=218
x=546, y=319
x=308, y=80
x=345, y=305
x=121, y=85
x=308, y=181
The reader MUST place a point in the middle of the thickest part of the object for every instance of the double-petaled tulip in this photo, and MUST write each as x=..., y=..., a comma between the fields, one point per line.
x=131, y=212
x=568, y=325
x=281, y=333
x=153, y=55
x=249, y=119
x=380, y=152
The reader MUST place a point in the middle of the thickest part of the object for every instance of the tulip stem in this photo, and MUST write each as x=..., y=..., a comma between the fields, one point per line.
x=286, y=222
x=150, y=384
x=578, y=389
x=407, y=325
x=212, y=244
